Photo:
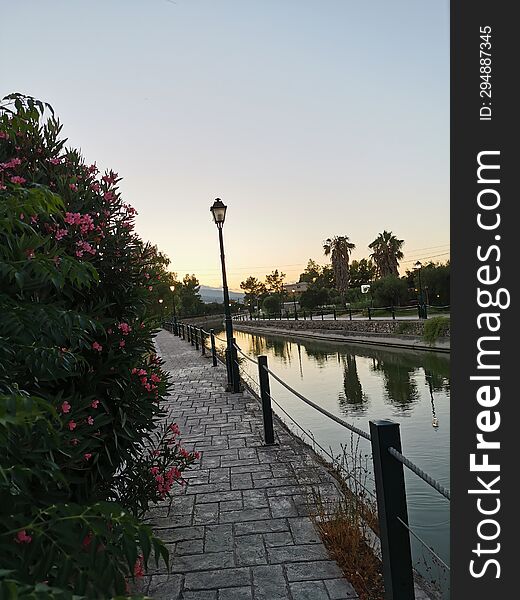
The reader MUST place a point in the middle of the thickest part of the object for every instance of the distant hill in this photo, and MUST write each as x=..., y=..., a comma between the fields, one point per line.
x=212, y=294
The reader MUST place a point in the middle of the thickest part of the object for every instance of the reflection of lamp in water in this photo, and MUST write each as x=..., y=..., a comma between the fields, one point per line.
x=300, y=359
x=435, y=421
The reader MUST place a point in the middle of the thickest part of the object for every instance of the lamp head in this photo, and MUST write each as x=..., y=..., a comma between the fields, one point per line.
x=218, y=210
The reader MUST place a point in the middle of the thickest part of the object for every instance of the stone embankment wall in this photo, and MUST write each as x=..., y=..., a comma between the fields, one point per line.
x=389, y=327
x=211, y=321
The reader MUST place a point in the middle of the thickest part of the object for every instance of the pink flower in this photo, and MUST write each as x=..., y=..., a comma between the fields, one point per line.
x=122, y=344
x=90, y=420
x=95, y=403
x=124, y=328
x=139, y=567
x=16, y=179
x=60, y=233
x=196, y=455
x=55, y=161
x=154, y=470
x=23, y=538
x=4, y=135
x=97, y=347
x=155, y=378
x=73, y=187
x=74, y=441
x=65, y=407
x=87, y=539
x=72, y=425
x=174, y=428
x=87, y=456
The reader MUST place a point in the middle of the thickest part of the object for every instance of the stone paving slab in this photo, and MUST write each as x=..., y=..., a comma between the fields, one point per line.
x=240, y=529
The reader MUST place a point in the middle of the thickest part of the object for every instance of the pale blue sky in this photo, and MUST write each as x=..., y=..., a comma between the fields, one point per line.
x=308, y=118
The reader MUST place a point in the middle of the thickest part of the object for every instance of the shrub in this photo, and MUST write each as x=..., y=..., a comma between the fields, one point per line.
x=435, y=328
x=80, y=385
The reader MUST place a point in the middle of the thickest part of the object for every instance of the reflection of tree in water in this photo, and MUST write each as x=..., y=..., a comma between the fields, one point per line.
x=353, y=401
x=399, y=385
x=320, y=356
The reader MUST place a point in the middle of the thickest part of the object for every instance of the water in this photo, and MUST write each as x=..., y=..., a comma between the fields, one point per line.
x=359, y=383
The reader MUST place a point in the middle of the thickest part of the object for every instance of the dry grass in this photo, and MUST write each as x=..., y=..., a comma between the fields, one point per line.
x=347, y=524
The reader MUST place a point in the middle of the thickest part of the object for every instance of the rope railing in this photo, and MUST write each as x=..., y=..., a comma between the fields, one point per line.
x=424, y=544
x=420, y=473
x=353, y=428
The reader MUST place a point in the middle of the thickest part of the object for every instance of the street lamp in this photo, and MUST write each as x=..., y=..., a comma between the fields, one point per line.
x=422, y=307
x=174, y=316
x=162, y=310
x=218, y=210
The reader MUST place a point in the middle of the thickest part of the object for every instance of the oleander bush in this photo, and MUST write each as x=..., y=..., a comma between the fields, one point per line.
x=83, y=452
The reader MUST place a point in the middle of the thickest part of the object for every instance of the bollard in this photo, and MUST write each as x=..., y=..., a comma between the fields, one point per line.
x=197, y=333
x=202, y=342
x=235, y=371
x=391, y=505
x=265, y=393
x=213, y=347
x=369, y=314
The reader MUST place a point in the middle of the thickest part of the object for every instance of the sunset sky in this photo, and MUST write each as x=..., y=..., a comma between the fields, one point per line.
x=308, y=118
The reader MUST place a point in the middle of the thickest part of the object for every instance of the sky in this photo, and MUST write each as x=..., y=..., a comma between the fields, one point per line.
x=308, y=118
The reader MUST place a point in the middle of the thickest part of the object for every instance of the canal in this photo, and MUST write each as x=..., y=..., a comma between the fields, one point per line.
x=358, y=383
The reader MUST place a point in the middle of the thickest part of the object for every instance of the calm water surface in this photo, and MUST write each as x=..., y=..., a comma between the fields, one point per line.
x=359, y=383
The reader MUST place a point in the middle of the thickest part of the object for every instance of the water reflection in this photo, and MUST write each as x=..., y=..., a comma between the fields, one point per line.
x=353, y=400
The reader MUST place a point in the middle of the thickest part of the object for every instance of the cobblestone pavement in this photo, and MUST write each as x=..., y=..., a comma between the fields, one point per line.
x=240, y=529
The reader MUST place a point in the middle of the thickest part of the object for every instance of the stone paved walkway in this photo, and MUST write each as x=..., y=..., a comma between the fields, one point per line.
x=239, y=530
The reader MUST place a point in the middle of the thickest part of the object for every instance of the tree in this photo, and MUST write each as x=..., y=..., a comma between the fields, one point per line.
x=387, y=252
x=389, y=291
x=314, y=297
x=190, y=299
x=254, y=290
x=312, y=271
x=339, y=248
x=362, y=272
x=272, y=304
x=274, y=282
x=435, y=282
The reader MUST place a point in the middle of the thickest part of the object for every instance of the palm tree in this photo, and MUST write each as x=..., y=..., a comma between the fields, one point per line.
x=387, y=252
x=339, y=248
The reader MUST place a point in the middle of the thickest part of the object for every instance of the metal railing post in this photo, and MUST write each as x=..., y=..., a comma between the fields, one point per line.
x=393, y=312
x=235, y=371
x=334, y=313
x=213, y=347
x=322, y=315
x=197, y=331
x=310, y=315
x=391, y=506
x=192, y=341
x=183, y=332
x=369, y=314
x=350, y=314
x=202, y=342
x=265, y=394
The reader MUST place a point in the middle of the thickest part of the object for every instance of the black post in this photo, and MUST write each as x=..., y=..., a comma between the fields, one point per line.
x=265, y=393
x=191, y=335
x=304, y=316
x=213, y=347
x=311, y=315
x=350, y=313
x=183, y=331
x=229, y=322
x=202, y=342
x=322, y=314
x=235, y=369
x=197, y=331
x=334, y=313
x=391, y=506
x=393, y=312
x=369, y=314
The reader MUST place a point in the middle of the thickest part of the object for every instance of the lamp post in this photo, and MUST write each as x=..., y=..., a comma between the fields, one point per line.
x=174, y=316
x=294, y=303
x=422, y=307
x=162, y=310
x=218, y=210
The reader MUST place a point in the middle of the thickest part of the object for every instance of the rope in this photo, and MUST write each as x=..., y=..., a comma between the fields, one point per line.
x=420, y=473
x=353, y=428
x=245, y=355
x=424, y=543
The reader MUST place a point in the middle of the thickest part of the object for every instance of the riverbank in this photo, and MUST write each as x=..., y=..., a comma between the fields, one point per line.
x=358, y=332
